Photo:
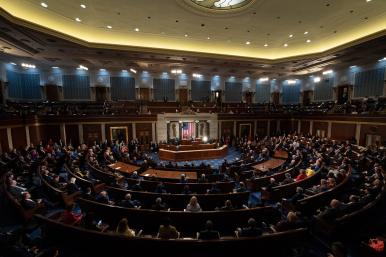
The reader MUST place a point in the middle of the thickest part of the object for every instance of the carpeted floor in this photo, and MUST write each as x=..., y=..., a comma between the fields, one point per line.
x=232, y=156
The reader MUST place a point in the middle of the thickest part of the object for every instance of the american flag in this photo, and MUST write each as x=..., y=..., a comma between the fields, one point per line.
x=187, y=130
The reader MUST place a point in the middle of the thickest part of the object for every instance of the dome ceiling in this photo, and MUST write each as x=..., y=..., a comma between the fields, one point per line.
x=261, y=29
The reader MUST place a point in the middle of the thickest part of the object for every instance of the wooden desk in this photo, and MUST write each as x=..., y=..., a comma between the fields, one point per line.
x=169, y=174
x=281, y=154
x=188, y=147
x=193, y=154
x=270, y=164
x=124, y=167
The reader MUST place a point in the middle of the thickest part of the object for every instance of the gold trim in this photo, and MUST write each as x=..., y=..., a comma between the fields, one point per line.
x=126, y=133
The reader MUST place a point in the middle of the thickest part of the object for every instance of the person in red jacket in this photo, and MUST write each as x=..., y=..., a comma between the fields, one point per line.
x=302, y=175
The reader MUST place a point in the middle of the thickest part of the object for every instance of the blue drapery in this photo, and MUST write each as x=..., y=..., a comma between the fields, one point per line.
x=233, y=91
x=323, y=89
x=263, y=93
x=23, y=85
x=164, y=88
x=200, y=90
x=369, y=83
x=76, y=87
x=290, y=94
x=122, y=88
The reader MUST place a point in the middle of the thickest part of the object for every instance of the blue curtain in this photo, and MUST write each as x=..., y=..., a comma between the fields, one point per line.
x=164, y=88
x=263, y=93
x=369, y=83
x=23, y=85
x=324, y=89
x=233, y=91
x=290, y=94
x=76, y=87
x=200, y=90
x=122, y=88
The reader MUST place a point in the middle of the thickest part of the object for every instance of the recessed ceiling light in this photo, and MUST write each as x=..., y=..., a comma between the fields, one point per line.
x=78, y=19
x=265, y=45
x=55, y=67
x=13, y=63
x=136, y=29
x=109, y=27
x=208, y=38
x=353, y=66
x=305, y=32
x=247, y=43
x=368, y=0
x=291, y=35
x=308, y=40
x=327, y=72
x=383, y=59
x=44, y=4
x=124, y=70
x=285, y=45
x=133, y=70
x=186, y=35
x=83, y=6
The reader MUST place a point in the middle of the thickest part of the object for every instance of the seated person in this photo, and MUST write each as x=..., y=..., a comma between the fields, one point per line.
x=302, y=175
x=202, y=179
x=299, y=195
x=288, y=179
x=193, y=205
x=88, y=195
x=271, y=185
x=103, y=197
x=241, y=188
x=160, y=188
x=135, y=175
x=88, y=222
x=251, y=231
x=123, y=228
x=27, y=202
x=167, y=231
x=186, y=190
x=291, y=222
x=227, y=206
x=209, y=233
x=159, y=205
x=127, y=202
x=214, y=189
x=183, y=179
x=69, y=216
x=332, y=212
x=71, y=187
x=352, y=205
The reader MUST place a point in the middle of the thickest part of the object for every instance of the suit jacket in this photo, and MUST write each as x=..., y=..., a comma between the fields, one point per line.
x=209, y=235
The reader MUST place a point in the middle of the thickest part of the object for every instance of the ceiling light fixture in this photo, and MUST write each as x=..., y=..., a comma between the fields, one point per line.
x=308, y=40
x=54, y=67
x=291, y=35
x=109, y=27
x=368, y=1
x=317, y=79
x=78, y=19
x=291, y=81
x=305, y=32
x=186, y=35
x=44, y=4
x=136, y=29
x=27, y=65
x=81, y=67
x=196, y=75
x=383, y=59
x=263, y=79
x=132, y=70
x=327, y=72
x=353, y=66
x=247, y=43
x=285, y=45
x=124, y=70
x=176, y=71
x=208, y=38
x=14, y=64
x=83, y=6
x=266, y=45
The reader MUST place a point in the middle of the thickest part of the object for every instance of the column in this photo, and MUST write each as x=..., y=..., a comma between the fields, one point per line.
x=277, y=125
x=9, y=136
x=254, y=128
x=299, y=126
x=268, y=127
x=329, y=129
x=103, y=131
x=153, y=132
x=234, y=128
x=134, y=132
x=27, y=136
x=80, y=131
x=63, y=133
x=311, y=126
x=358, y=133
x=219, y=130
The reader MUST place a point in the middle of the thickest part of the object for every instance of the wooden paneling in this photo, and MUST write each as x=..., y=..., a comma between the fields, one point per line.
x=319, y=126
x=143, y=132
x=304, y=127
x=226, y=128
x=261, y=128
x=243, y=126
x=144, y=94
x=183, y=95
x=3, y=140
x=19, y=137
x=128, y=126
x=72, y=134
x=92, y=133
x=372, y=130
x=52, y=92
x=273, y=127
x=342, y=131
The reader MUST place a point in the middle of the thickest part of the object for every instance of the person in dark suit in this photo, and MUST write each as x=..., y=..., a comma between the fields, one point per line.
x=333, y=212
x=209, y=233
x=72, y=187
x=159, y=205
x=251, y=231
x=88, y=194
x=128, y=202
x=27, y=202
x=103, y=197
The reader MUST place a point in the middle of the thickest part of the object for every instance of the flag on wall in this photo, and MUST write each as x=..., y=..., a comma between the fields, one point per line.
x=187, y=130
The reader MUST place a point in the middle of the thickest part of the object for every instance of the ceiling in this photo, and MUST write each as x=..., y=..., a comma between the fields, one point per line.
x=183, y=27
